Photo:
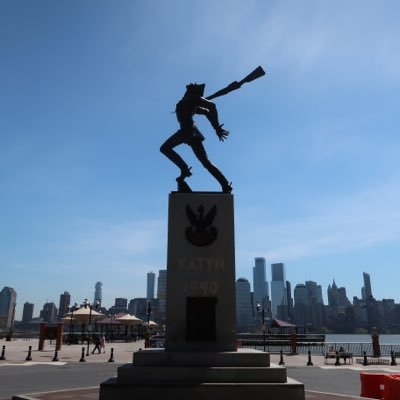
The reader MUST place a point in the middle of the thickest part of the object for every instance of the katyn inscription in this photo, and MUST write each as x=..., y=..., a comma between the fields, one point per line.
x=202, y=264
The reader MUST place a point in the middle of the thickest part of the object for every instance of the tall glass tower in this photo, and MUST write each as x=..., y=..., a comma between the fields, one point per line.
x=244, y=314
x=151, y=282
x=278, y=288
x=260, y=284
x=98, y=292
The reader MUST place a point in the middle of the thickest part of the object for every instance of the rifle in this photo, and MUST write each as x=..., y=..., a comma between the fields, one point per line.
x=257, y=73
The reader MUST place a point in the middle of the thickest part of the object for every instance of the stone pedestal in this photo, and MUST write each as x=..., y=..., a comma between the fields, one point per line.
x=201, y=294
x=200, y=359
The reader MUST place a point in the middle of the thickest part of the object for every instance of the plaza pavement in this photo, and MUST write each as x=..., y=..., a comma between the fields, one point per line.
x=16, y=352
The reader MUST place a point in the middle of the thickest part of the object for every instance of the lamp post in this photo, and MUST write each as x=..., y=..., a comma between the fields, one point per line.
x=72, y=308
x=12, y=320
x=258, y=305
x=86, y=304
x=148, y=313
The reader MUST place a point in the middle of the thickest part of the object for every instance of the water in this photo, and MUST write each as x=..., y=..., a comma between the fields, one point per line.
x=383, y=339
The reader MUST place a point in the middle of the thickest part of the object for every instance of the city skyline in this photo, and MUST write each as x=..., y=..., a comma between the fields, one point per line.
x=313, y=151
x=161, y=277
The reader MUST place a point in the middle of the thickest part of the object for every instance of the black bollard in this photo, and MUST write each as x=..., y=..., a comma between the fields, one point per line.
x=83, y=355
x=337, y=358
x=112, y=355
x=309, y=358
x=3, y=353
x=55, y=358
x=393, y=362
x=281, y=362
x=365, y=359
x=29, y=356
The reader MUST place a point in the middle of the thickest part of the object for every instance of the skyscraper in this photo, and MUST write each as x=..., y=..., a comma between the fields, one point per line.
x=244, y=311
x=151, y=281
x=260, y=284
x=49, y=313
x=8, y=298
x=27, y=313
x=162, y=293
x=65, y=300
x=367, y=286
x=98, y=293
x=278, y=288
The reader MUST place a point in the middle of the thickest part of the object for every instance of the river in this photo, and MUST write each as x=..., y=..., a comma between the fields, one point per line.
x=383, y=339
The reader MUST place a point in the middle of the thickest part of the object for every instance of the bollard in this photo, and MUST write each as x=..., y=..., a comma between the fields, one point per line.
x=111, y=359
x=393, y=362
x=309, y=358
x=365, y=358
x=3, y=353
x=281, y=362
x=55, y=358
x=29, y=356
x=83, y=355
x=337, y=358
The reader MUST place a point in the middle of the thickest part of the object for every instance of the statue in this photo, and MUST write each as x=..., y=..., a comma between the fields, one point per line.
x=193, y=102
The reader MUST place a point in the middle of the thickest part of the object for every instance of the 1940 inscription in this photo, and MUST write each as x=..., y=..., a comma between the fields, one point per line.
x=198, y=288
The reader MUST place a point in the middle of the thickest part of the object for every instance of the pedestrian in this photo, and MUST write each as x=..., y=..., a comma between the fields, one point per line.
x=103, y=343
x=96, y=340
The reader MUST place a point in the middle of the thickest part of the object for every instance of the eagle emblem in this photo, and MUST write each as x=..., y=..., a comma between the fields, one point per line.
x=201, y=232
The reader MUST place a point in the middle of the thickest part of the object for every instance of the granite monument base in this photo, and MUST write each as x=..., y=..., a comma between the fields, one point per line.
x=201, y=376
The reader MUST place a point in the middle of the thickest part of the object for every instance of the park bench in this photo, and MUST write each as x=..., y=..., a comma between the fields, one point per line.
x=342, y=356
x=373, y=361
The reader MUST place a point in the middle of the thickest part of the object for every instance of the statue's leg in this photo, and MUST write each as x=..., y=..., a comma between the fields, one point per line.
x=201, y=154
x=167, y=149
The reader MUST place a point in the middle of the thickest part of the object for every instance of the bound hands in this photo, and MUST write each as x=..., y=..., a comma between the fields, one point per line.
x=222, y=133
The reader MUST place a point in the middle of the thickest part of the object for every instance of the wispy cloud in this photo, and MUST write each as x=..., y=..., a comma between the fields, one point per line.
x=360, y=221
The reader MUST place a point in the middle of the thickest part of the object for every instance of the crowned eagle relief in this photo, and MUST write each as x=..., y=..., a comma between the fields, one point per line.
x=201, y=232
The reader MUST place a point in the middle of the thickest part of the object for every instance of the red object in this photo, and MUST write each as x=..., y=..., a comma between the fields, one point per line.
x=392, y=387
x=372, y=385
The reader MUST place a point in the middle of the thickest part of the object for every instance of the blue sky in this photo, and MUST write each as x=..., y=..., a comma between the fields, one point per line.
x=87, y=93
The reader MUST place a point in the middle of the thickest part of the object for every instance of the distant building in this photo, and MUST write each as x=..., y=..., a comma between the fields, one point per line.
x=138, y=307
x=98, y=293
x=120, y=305
x=8, y=301
x=367, y=286
x=27, y=313
x=162, y=293
x=244, y=310
x=151, y=281
x=260, y=284
x=65, y=300
x=49, y=313
x=278, y=288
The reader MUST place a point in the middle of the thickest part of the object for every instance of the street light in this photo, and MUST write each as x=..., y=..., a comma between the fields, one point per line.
x=86, y=304
x=148, y=313
x=258, y=305
x=12, y=320
x=72, y=308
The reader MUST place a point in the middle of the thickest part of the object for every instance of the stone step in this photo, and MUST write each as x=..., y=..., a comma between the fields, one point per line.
x=156, y=375
x=291, y=390
x=240, y=358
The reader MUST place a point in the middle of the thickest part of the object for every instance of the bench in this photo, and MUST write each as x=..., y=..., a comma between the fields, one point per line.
x=373, y=361
x=342, y=356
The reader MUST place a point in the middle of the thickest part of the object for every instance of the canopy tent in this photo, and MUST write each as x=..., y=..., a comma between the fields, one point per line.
x=129, y=319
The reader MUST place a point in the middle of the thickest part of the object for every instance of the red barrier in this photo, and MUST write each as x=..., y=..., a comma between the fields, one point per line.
x=392, y=387
x=372, y=385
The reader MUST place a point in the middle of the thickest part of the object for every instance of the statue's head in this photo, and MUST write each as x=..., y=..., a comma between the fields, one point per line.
x=196, y=89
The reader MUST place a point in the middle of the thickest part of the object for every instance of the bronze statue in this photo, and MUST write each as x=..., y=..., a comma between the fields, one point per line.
x=193, y=103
